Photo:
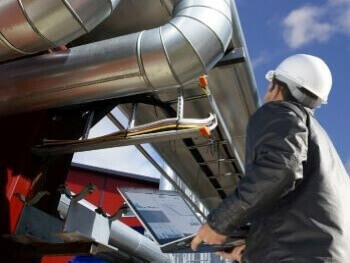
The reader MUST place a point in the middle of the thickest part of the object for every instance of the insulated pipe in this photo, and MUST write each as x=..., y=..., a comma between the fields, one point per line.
x=31, y=26
x=123, y=237
x=129, y=240
x=169, y=56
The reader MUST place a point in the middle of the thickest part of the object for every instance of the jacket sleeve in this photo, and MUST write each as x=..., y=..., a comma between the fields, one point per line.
x=279, y=137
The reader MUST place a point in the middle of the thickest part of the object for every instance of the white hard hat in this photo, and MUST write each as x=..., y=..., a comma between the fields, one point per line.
x=305, y=71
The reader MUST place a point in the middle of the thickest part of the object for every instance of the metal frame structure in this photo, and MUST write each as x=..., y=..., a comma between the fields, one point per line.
x=158, y=54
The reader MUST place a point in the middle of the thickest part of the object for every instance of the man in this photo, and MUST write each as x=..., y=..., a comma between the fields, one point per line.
x=295, y=193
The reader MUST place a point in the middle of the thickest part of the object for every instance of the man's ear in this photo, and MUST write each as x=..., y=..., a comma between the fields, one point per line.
x=274, y=86
x=276, y=91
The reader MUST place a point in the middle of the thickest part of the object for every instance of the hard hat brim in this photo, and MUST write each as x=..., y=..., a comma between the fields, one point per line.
x=270, y=75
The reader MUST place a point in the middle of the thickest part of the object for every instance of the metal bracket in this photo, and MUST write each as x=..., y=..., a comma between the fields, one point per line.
x=115, y=216
x=100, y=211
x=227, y=175
x=218, y=161
x=34, y=200
x=88, y=189
x=180, y=104
x=238, y=55
x=132, y=121
x=114, y=141
x=91, y=115
x=210, y=144
x=118, y=215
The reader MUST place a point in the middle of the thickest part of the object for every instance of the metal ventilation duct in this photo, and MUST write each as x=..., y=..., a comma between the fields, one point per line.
x=131, y=241
x=169, y=56
x=31, y=26
x=121, y=236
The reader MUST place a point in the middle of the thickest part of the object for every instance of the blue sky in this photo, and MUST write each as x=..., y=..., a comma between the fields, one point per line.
x=276, y=29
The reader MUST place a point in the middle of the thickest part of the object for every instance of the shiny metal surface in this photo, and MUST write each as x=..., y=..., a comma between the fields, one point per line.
x=31, y=26
x=109, y=142
x=234, y=89
x=236, y=101
x=236, y=96
x=136, y=244
x=90, y=14
x=81, y=218
x=204, y=181
x=148, y=61
x=168, y=178
x=85, y=221
x=146, y=14
x=144, y=63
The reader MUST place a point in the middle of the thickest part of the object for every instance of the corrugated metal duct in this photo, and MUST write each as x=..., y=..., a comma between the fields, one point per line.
x=169, y=56
x=31, y=26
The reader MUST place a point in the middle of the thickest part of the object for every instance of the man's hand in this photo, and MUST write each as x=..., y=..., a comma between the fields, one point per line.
x=236, y=254
x=208, y=236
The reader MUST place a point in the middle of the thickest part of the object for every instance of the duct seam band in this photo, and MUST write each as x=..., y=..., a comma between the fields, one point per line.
x=215, y=34
x=167, y=58
x=140, y=62
x=188, y=41
x=35, y=29
x=76, y=16
x=63, y=88
x=204, y=6
x=9, y=45
x=179, y=1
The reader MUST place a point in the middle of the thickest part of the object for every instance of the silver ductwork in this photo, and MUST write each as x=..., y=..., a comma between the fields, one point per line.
x=166, y=57
x=31, y=26
x=129, y=240
x=80, y=217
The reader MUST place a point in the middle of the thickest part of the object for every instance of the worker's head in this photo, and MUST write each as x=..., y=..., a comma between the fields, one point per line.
x=277, y=91
x=302, y=78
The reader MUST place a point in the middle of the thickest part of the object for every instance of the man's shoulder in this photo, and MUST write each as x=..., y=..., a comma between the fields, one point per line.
x=277, y=109
x=274, y=115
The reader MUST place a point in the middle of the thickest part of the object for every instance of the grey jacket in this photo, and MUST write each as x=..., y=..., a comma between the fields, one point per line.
x=295, y=194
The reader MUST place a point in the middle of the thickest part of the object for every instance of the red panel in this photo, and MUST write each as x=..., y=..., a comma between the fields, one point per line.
x=50, y=259
x=16, y=184
x=78, y=179
x=111, y=200
x=11, y=183
x=19, y=167
x=131, y=221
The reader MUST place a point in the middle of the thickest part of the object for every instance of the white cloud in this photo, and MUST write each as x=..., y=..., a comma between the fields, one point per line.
x=344, y=21
x=304, y=25
x=262, y=59
x=309, y=23
x=340, y=11
x=338, y=2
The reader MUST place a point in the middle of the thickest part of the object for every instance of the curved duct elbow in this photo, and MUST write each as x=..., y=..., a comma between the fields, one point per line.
x=190, y=44
x=31, y=26
x=169, y=56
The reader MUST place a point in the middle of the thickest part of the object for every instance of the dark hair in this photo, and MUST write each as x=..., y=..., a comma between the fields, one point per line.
x=287, y=96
